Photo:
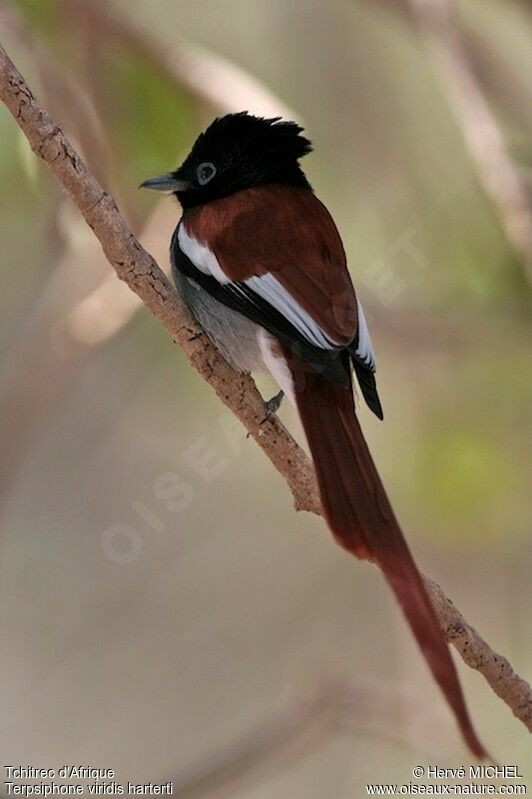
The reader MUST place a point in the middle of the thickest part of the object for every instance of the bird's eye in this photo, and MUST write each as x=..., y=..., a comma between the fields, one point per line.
x=205, y=172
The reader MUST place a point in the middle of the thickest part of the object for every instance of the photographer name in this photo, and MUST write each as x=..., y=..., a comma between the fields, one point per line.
x=474, y=773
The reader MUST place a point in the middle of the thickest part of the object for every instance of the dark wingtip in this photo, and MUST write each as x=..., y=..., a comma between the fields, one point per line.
x=368, y=387
x=374, y=404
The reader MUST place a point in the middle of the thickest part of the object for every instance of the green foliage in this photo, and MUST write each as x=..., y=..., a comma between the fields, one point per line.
x=19, y=169
x=41, y=14
x=27, y=160
x=152, y=118
x=471, y=465
x=148, y=115
x=464, y=474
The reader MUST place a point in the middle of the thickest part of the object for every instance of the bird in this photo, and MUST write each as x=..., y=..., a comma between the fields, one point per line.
x=258, y=260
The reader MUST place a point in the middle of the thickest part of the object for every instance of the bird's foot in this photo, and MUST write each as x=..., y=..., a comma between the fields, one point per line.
x=196, y=335
x=273, y=405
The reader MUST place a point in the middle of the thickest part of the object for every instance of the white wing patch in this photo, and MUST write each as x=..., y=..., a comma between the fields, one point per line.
x=365, y=347
x=268, y=287
x=200, y=255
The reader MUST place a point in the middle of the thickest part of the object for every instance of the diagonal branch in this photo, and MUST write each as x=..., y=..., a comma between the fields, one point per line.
x=474, y=650
x=138, y=269
x=36, y=369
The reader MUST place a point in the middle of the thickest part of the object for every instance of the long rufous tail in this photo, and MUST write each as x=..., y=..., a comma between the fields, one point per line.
x=362, y=520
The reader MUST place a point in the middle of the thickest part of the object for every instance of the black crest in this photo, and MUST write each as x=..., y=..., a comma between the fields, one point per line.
x=265, y=137
x=241, y=151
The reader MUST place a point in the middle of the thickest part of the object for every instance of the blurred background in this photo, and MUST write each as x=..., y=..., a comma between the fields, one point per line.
x=216, y=638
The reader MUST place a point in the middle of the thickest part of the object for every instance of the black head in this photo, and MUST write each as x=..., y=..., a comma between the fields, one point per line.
x=236, y=152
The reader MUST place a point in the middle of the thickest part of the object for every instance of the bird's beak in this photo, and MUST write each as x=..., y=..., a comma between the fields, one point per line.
x=166, y=183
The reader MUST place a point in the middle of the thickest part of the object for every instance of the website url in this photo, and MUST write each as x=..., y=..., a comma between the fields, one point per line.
x=468, y=789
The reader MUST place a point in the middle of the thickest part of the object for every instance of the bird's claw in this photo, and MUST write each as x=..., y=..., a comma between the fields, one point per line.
x=273, y=405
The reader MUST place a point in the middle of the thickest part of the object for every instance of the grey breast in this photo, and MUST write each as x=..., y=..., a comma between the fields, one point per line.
x=233, y=334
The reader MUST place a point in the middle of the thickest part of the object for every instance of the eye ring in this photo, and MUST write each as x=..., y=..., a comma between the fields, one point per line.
x=205, y=172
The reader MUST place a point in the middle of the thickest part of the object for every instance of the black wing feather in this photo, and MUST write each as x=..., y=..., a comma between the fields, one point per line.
x=368, y=386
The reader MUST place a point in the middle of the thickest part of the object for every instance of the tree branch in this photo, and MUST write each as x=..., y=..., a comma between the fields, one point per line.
x=474, y=650
x=139, y=270
x=38, y=373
